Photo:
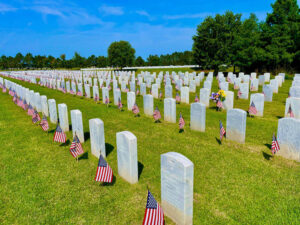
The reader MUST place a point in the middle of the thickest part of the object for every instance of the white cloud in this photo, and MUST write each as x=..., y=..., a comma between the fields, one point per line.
x=45, y=10
x=111, y=10
x=188, y=16
x=6, y=8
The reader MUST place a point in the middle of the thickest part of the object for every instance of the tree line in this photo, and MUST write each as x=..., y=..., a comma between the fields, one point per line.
x=270, y=45
x=224, y=40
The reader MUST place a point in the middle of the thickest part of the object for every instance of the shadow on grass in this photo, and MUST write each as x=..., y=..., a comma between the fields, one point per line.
x=86, y=136
x=84, y=156
x=268, y=145
x=266, y=155
x=109, y=184
x=181, y=131
x=157, y=121
x=279, y=117
x=109, y=148
x=65, y=144
x=140, y=169
x=51, y=131
x=70, y=127
x=219, y=141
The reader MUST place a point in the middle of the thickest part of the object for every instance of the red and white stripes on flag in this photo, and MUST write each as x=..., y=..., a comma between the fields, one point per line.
x=154, y=214
x=44, y=123
x=135, y=109
x=156, y=114
x=76, y=148
x=252, y=109
x=104, y=172
x=181, y=122
x=219, y=104
x=59, y=135
x=36, y=117
x=275, y=146
x=290, y=112
x=222, y=131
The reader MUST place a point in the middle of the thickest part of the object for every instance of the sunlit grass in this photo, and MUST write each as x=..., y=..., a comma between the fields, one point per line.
x=233, y=183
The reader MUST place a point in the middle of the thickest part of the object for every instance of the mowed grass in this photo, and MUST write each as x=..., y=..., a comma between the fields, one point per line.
x=234, y=183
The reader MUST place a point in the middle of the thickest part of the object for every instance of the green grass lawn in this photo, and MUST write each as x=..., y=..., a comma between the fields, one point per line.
x=41, y=183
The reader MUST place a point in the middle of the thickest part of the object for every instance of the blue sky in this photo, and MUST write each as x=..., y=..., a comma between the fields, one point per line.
x=88, y=27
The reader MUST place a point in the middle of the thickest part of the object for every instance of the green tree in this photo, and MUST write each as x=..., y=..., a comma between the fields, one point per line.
x=247, y=45
x=213, y=41
x=281, y=34
x=101, y=62
x=121, y=54
x=78, y=60
x=19, y=60
x=153, y=60
x=140, y=61
x=28, y=60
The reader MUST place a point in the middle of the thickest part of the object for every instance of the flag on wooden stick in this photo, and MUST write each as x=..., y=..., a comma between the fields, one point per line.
x=275, y=146
x=222, y=131
x=135, y=109
x=252, y=109
x=156, y=114
x=290, y=112
x=76, y=147
x=59, y=135
x=181, y=122
x=104, y=172
x=36, y=117
x=44, y=123
x=154, y=214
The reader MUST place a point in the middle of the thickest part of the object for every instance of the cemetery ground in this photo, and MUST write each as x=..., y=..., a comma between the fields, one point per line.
x=41, y=183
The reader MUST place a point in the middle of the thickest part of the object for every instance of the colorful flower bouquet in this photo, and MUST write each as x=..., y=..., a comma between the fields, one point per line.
x=219, y=98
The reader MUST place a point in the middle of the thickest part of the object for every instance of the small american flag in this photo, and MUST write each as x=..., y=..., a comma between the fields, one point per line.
x=235, y=86
x=79, y=93
x=290, y=112
x=4, y=89
x=126, y=89
x=252, y=87
x=275, y=145
x=59, y=135
x=96, y=98
x=15, y=99
x=181, y=122
x=106, y=100
x=219, y=104
x=135, y=109
x=177, y=97
x=160, y=94
x=222, y=131
x=10, y=92
x=252, y=109
x=44, y=123
x=196, y=98
x=156, y=114
x=76, y=148
x=104, y=172
x=150, y=91
x=154, y=214
x=137, y=91
x=120, y=105
x=36, y=117
x=25, y=105
x=239, y=93
x=71, y=91
x=30, y=110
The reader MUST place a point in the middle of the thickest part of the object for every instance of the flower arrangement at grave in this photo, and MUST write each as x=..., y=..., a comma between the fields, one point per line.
x=219, y=98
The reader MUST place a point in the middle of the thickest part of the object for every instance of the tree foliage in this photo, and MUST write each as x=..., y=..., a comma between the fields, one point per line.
x=121, y=54
x=251, y=45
